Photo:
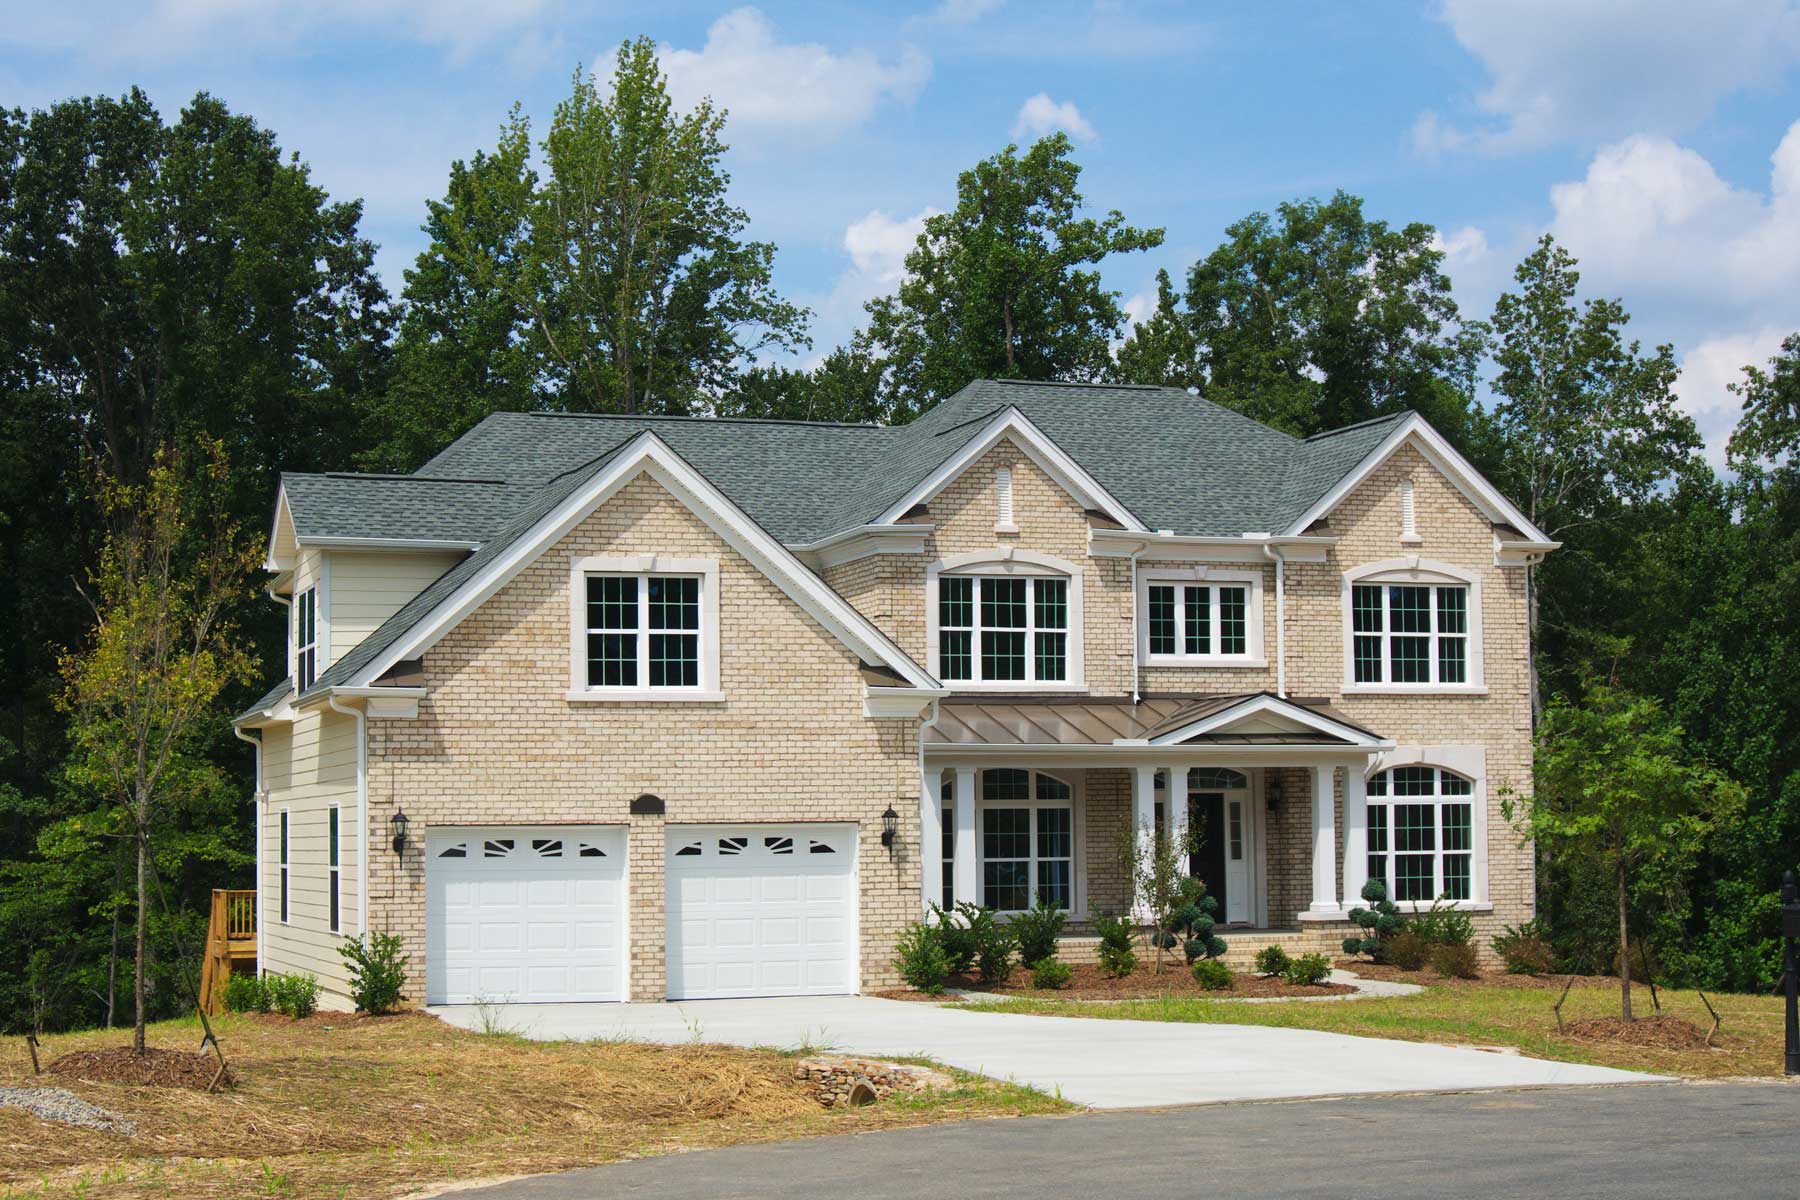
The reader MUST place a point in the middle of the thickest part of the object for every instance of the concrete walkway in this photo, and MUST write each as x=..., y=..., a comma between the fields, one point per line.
x=1099, y=1063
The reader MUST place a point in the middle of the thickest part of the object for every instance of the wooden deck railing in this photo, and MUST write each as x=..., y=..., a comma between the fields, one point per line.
x=230, y=943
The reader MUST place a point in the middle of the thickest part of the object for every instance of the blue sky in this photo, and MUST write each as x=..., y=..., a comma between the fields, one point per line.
x=1653, y=136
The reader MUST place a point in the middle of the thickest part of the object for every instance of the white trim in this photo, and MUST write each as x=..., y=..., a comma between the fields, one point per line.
x=1012, y=424
x=1470, y=761
x=362, y=808
x=1176, y=547
x=334, y=873
x=863, y=542
x=1409, y=513
x=1432, y=446
x=1077, y=819
x=648, y=455
x=1009, y=562
x=1423, y=572
x=889, y=702
x=284, y=838
x=324, y=585
x=641, y=567
x=1254, y=654
x=1003, y=501
x=1275, y=705
x=282, y=511
x=382, y=543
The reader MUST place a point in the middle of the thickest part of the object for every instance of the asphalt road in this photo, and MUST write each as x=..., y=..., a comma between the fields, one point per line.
x=1633, y=1142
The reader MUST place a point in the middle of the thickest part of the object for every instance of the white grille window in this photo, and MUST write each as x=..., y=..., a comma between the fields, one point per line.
x=1422, y=834
x=1005, y=629
x=1212, y=618
x=650, y=632
x=306, y=638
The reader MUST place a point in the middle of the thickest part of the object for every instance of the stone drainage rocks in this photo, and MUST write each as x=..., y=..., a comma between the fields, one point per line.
x=54, y=1104
x=839, y=1081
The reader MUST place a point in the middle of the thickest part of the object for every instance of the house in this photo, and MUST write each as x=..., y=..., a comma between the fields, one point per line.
x=604, y=708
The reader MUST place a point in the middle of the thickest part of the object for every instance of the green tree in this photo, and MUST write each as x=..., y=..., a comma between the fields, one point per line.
x=846, y=386
x=1161, y=348
x=1768, y=430
x=1616, y=783
x=140, y=693
x=997, y=288
x=1319, y=317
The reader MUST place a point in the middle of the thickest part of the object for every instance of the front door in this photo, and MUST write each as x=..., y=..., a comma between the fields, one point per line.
x=1220, y=857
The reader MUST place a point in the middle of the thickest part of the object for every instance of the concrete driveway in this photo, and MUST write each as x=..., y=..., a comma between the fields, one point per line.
x=1099, y=1063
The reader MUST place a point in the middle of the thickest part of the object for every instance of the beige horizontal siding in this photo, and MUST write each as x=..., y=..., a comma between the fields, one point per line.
x=368, y=587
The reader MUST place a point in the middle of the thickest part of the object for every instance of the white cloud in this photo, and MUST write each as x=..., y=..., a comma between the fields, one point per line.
x=878, y=244
x=963, y=12
x=1463, y=247
x=794, y=87
x=1601, y=68
x=1708, y=369
x=1041, y=115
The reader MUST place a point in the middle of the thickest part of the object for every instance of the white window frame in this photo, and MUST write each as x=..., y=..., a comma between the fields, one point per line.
x=306, y=601
x=283, y=842
x=1009, y=562
x=642, y=567
x=1415, y=572
x=1212, y=578
x=1470, y=761
x=1477, y=899
x=1077, y=884
x=334, y=897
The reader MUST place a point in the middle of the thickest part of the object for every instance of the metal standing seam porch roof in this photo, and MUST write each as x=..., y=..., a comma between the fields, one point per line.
x=1040, y=721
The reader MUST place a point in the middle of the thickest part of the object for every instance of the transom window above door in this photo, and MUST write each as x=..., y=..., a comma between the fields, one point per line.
x=1016, y=626
x=1201, y=617
x=650, y=633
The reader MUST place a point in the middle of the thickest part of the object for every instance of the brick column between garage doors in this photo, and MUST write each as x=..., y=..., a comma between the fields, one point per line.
x=646, y=921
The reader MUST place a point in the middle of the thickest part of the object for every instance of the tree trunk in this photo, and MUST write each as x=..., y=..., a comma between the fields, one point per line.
x=1624, y=949
x=1006, y=313
x=143, y=911
x=112, y=953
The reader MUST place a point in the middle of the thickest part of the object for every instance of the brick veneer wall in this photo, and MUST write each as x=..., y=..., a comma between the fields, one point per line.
x=496, y=742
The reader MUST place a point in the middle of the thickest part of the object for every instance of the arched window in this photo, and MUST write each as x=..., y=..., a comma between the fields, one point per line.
x=1027, y=829
x=1412, y=625
x=1007, y=618
x=1422, y=833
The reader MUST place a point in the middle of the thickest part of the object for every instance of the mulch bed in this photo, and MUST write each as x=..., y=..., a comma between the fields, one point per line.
x=1659, y=1032
x=154, y=1068
x=1089, y=982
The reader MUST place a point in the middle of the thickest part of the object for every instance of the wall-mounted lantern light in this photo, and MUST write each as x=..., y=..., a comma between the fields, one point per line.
x=890, y=822
x=398, y=825
x=1272, y=793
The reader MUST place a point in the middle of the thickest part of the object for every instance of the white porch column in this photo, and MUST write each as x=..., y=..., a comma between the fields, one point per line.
x=1175, y=799
x=931, y=839
x=966, y=878
x=1356, y=834
x=1143, y=820
x=1324, y=860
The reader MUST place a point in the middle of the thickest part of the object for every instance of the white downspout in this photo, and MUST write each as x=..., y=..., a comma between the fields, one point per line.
x=1280, y=619
x=1136, y=671
x=259, y=799
x=362, y=811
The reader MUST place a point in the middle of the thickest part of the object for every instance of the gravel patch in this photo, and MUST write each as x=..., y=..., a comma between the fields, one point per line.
x=54, y=1104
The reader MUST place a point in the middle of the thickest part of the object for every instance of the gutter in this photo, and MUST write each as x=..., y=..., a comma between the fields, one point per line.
x=260, y=800
x=362, y=804
x=1136, y=669
x=1271, y=551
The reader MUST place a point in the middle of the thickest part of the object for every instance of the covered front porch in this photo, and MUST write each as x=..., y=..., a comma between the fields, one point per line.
x=1039, y=799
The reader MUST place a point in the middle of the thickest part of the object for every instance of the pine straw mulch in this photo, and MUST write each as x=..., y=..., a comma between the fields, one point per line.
x=1655, y=1032
x=157, y=1066
x=381, y=1106
x=1089, y=982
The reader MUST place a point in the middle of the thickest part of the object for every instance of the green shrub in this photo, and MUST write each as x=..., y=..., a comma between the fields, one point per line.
x=1037, y=931
x=246, y=993
x=1272, y=960
x=1308, y=969
x=1118, y=958
x=377, y=971
x=1455, y=960
x=294, y=996
x=1051, y=973
x=995, y=947
x=1214, y=975
x=1406, y=950
x=1442, y=925
x=919, y=957
x=1378, y=921
x=1525, y=950
x=956, y=931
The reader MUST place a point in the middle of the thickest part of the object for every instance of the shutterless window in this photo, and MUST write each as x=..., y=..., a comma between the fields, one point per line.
x=1410, y=633
x=283, y=860
x=643, y=631
x=1422, y=833
x=306, y=638
x=1005, y=629
x=1199, y=620
x=331, y=866
x=1027, y=840
x=947, y=840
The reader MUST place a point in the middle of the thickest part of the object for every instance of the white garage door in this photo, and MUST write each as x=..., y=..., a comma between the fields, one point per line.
x=761, y=910
x=525, y=914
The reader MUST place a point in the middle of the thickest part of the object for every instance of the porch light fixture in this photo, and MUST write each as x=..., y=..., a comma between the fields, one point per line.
x=890, y=822
x=397, y=825
x=1273, y=794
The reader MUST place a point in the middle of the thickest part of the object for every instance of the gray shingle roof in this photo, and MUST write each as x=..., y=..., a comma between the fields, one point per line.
x=401, y=507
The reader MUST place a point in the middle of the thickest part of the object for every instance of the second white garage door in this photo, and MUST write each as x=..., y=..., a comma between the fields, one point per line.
x=761, y=910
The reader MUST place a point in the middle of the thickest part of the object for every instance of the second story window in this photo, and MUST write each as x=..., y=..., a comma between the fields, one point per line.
x=1411, y=625
x=644, y=633
x=1200, y=617
x=306, y=638
x=1008, y=629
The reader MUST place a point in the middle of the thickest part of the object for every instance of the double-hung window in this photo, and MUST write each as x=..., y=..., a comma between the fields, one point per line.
x=306, y=638
x=1413, y=626
x=947, y=844
x=1422, y=834
x=1199, y=620
x=331, y=867
x=282, y=860
x=645, y=633
x=1027, y=830
x=1003, y=629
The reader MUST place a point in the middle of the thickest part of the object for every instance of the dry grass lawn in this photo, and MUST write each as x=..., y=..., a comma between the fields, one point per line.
x=341, y=1106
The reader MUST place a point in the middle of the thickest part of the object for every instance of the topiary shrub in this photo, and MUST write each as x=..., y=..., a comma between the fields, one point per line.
x=294, y=996
x=1037, y=930
x=1194, y=920
x=1051, y=973
x=1214, y=975
x=1378, y=921
x=1442, y=925
x=377, y=971
x=1117, y=956
x=1308, y=970
x=246, y=993
x=1456, y=960
x=1272, y=960
x=1525, y=950
x=919, y=957
x=1405, y=950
